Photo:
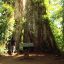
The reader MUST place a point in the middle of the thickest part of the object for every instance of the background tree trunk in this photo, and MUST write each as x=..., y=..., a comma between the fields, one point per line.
x=18, y=22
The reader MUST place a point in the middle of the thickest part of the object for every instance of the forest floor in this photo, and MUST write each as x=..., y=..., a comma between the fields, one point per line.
x=43, y=58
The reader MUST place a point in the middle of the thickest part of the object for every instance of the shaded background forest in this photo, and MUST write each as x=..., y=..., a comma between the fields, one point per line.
x=40, y=22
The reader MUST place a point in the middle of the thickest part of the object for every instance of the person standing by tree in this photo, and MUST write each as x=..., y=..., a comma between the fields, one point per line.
x=11, y=46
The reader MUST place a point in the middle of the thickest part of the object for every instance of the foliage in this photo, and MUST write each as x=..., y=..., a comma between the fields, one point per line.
x=54, y=12
x=6, y=24
x=6, y=20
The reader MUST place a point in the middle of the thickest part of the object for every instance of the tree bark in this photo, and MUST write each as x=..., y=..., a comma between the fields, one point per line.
x=36, y=28
x=18, y=22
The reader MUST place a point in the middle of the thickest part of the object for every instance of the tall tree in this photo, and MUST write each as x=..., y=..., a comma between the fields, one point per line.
x=36, y=28
x=41, y=34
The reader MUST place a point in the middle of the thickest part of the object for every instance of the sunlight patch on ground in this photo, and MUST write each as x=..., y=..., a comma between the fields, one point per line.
x=36, y=55
x=21, y=55
x=28, y=55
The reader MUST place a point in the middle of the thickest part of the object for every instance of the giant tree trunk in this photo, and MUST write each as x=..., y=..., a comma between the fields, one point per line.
x=42, y=34
x=36, y=28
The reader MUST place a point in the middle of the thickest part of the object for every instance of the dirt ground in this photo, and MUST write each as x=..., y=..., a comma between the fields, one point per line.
x=32, y=59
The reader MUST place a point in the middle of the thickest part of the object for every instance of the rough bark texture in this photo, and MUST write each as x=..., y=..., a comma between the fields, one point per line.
x=18, y=22
x=36, y=28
